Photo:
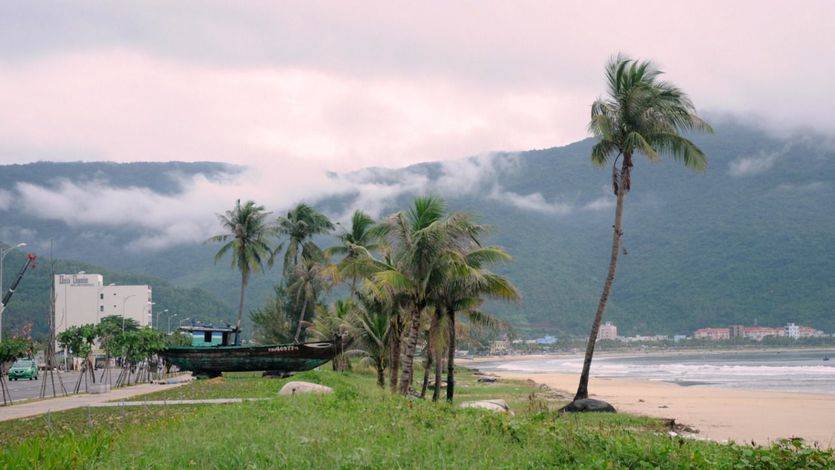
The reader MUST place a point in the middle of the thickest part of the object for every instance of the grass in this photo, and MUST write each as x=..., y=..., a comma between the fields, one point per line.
x=362, y=426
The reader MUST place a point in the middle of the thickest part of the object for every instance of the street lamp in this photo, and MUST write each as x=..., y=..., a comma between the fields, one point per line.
x=3, y=253
x=152, y=318
x=124, y=313
x=169, y=322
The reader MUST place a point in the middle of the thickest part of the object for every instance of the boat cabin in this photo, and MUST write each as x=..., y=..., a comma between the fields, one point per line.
x=208, y=335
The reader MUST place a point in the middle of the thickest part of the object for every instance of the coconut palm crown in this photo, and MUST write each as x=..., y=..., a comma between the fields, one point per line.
x=246, y=238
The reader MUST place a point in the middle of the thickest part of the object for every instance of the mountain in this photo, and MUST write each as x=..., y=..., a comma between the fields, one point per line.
x=748, y=241
x=29, y=306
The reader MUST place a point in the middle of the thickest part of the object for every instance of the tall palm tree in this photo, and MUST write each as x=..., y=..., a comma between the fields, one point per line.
x=363, y=237
x=246, y=238
x=421, y=238
x=468, y=283
x=298, y=228
x=641, y=115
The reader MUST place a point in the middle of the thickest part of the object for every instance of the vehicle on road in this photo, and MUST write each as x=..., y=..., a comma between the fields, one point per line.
x=24, y=369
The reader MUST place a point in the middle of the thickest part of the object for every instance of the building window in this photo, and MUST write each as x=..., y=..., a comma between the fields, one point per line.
x=101, y=296
x=207, y=337
x=101, y=308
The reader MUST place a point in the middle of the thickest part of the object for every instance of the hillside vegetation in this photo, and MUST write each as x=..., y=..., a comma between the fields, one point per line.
x=748, y=241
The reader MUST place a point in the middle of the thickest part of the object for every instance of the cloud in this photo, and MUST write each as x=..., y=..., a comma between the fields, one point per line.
x=745, y=166
x=532, y=202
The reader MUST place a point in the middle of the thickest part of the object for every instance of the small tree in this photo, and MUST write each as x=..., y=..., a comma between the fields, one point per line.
x=10, y=350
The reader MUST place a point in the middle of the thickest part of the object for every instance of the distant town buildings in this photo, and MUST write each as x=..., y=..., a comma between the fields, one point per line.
x=713, y=334
x=607, y=331
x=83, y=298
x=757, y=333
x=546, y=340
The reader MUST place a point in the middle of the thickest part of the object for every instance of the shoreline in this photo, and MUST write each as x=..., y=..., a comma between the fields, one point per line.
x=719, y=414
x=633, y=353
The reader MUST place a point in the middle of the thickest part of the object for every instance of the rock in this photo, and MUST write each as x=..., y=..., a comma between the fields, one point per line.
x=663, y=406
x=498, y=405
x=488, y=379
x=296, y=387
x=641, y=400
x=588, y=405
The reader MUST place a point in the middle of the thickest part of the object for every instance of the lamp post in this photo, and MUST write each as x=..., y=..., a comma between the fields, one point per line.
x=169, y=322
x=3, y=253
x=124, y=313
x=152, y=318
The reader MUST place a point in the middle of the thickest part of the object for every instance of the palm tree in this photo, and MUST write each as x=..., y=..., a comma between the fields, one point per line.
x=467, y=284
x=305, y=284
x=246, y=237
x=299, y=226
x=372, y=327
x=421, y=238
x=641, y=115
x=332, y=322
x=362, y=238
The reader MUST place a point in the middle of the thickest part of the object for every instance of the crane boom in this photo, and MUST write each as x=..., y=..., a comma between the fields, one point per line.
x=30, y=263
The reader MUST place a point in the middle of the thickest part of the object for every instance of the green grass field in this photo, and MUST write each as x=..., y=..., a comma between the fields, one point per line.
x=360, y=426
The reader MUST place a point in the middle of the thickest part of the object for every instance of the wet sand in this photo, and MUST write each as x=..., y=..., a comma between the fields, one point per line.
x=719, y=414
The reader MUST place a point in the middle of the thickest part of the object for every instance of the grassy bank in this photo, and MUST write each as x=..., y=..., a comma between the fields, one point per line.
x=362, y=426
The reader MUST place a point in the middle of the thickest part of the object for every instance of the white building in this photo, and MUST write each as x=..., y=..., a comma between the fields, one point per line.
x=792, y=331
x=607, y=331
x=83, y=298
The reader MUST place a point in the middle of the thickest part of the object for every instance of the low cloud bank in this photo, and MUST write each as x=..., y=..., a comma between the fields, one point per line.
x=163, y=220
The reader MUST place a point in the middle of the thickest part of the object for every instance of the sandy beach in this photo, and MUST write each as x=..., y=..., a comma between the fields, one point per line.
x=719, y=414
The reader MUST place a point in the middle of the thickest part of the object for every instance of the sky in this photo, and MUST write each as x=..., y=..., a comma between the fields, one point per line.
x=295, y=89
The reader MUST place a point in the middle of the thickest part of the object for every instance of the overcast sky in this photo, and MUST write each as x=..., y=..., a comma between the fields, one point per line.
x=344, y=85
x=293, y=90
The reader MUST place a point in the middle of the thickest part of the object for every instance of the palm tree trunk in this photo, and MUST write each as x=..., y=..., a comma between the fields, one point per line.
x=381, y=376
x=394, y=353
x=439, y=364
x=583, y=387
x=426, y=366
x=240, y=310
x=450, y=360
x=408, y=355
x=301, y=319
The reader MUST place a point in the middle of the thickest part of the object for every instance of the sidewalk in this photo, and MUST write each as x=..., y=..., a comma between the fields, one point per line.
x=38, y=407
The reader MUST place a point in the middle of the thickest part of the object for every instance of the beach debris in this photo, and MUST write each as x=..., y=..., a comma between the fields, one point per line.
x=488, y=379
x=663, y=406
x=498, y=405
x=588, y=405
x=298, y=387
x=641, y=400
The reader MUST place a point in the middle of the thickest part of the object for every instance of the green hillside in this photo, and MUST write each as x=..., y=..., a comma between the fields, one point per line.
x=30, y=304
x=750, y=240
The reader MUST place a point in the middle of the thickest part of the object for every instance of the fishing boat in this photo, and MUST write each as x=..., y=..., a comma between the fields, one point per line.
x=216, y=349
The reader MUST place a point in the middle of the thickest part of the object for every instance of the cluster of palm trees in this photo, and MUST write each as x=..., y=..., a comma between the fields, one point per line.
x=423, y=266
x=408, y=278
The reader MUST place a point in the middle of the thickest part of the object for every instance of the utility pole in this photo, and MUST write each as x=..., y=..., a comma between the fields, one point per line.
x=3, y=253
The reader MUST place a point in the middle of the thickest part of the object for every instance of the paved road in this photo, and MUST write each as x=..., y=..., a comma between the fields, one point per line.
x=23, y=389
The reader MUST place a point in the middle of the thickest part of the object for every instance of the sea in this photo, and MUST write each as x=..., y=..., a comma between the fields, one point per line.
x=779, y=370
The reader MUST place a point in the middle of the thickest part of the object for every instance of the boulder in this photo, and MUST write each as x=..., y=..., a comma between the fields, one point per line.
x=296, y=387
x=499, y=405
x=588, y=405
